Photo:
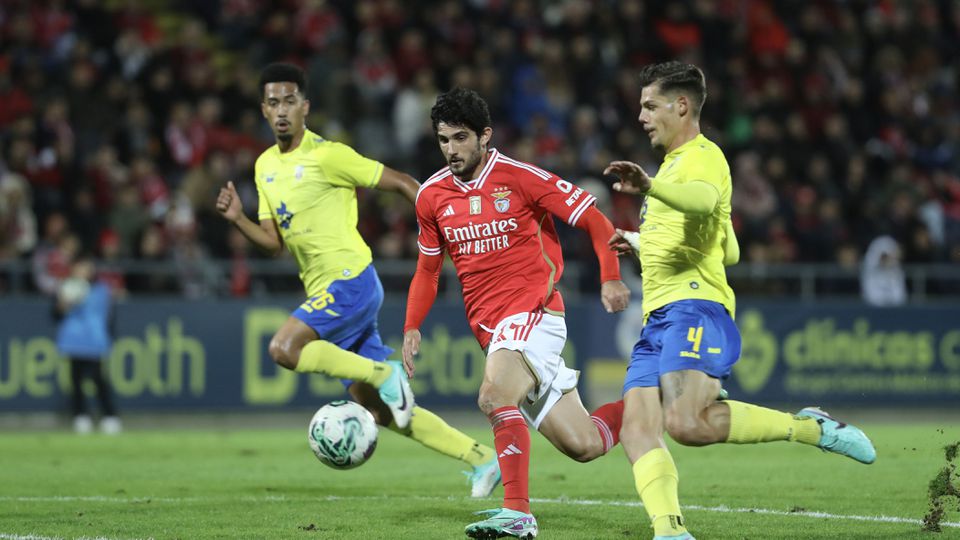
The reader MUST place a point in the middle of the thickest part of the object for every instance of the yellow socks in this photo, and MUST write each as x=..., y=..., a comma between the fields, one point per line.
x=431, y=431
x=753, y=424
x=324, y=357
x=425, y=427
x=656, y=478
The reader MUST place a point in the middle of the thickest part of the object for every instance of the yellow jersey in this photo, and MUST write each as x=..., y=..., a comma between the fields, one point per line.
x=310, y=192
x=682, y=254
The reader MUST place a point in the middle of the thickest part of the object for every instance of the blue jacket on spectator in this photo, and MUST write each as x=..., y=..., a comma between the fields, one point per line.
x=84, y=333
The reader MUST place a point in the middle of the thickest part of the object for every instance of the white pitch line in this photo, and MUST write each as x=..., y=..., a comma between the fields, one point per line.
x=99, y=498
x=577, y=502
x=4, y=536
x=723, y=509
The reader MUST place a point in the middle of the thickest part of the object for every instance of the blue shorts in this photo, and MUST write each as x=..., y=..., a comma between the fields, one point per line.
x=689, y=334
x=346, y=315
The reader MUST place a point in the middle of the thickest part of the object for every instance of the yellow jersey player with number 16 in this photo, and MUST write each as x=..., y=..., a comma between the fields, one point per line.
x=308, y=202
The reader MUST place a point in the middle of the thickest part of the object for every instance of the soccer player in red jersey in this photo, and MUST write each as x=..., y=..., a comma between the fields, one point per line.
x=494, y=216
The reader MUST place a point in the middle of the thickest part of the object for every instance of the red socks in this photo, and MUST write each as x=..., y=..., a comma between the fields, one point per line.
x=512, y=441
x=608, y=419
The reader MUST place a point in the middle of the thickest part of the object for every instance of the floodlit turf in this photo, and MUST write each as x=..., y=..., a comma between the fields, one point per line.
x=195, y=484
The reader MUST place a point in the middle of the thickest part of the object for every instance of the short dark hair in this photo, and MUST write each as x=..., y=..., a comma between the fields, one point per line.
x=674, y=77
x=461, y=107
x=283, y=72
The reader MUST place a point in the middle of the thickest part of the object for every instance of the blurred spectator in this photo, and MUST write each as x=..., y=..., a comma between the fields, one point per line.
x=51, y=259
x=127, y=219
x=110, y=270
x=240, y=284
x=84, y=218
x=83, y=336
x=106, y=175
x=195, y=276
x=754, y=198
x=185, y=136
x=18, y=224
x=151, y=248
x=14, y=101
x=882, y=280
x=374, y=71
x=411, y=113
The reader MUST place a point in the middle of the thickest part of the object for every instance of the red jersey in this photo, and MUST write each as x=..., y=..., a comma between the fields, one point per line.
x=499, y=233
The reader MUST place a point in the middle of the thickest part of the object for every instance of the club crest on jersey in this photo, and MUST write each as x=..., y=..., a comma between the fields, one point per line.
x=298, y=172
x=474, y=205
x=284, y=216
x=501, y=202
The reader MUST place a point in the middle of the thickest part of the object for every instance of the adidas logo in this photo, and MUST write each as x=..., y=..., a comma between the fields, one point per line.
x=510, y=450
x=449, y=210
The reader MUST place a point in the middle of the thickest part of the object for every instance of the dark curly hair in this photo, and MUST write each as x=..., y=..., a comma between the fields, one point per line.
x=461, y=107
x=282, y=72
x=677, y=77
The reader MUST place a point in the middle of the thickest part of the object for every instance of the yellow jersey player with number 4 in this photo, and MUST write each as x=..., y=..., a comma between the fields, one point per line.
x=308, y=202
x=689, y=342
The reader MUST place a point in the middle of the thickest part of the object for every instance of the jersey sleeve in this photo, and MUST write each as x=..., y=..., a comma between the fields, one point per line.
x=429, y=240
x=345, y=167
x=263, y=205
x=554, y=194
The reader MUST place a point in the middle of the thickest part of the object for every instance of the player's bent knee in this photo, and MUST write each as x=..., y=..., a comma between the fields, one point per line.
x=584, y=449
x=686, y=429
x=486, y=404
x=636, y=435
x=280, y=351
x=490, y=400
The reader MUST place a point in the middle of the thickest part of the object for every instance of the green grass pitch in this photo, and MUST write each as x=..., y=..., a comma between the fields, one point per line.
x=265, y=483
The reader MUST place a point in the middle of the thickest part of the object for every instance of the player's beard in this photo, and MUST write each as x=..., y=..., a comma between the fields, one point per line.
x=469, y=166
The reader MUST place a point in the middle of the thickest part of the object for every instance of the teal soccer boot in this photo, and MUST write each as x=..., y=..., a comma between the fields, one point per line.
x=840, y=438
x=397, y=395
x=502, y=523
x=484, y=478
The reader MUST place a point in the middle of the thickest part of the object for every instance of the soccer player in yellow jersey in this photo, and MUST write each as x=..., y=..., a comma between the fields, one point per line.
x=689, y=341
x=308, y=202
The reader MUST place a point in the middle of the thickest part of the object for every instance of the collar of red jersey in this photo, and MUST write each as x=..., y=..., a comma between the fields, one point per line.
x=492, y=155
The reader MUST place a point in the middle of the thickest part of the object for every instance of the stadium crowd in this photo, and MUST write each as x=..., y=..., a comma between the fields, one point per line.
x=119, y=120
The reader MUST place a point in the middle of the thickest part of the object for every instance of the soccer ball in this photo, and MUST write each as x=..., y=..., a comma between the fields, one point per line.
x=342, y=434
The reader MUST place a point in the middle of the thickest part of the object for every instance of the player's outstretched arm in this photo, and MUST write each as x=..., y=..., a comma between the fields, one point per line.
x=731, y=248
x=264, y=235
x=398, y=182
x=694, y=197
x=420, y=298
x=613, y=293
